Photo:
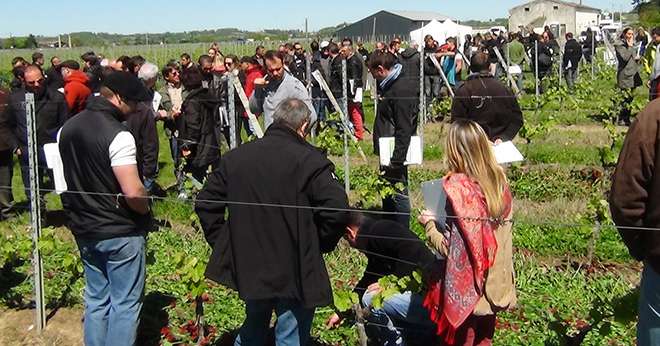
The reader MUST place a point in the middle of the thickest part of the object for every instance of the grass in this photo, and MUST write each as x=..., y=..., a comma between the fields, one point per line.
x=558, y=291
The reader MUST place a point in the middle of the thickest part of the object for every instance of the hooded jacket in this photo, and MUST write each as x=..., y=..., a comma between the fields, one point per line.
x=409, y=59
x=76, y=91
x=196, y=127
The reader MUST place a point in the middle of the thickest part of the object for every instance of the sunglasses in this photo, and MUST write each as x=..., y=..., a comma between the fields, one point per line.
x=35, y=82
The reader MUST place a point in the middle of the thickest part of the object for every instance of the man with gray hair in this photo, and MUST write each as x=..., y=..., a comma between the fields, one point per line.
x=142, y=125
x=269, y=249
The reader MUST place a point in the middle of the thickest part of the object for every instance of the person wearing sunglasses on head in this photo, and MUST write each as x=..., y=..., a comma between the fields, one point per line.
x=51, y=113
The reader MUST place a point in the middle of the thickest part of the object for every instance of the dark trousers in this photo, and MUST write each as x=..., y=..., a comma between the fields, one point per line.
x=238, y=120
x=625, y=106
x=44, y=174
x=398, y=202
x=6, y=174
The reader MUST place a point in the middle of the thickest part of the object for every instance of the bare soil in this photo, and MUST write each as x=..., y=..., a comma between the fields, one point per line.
x=63, y=329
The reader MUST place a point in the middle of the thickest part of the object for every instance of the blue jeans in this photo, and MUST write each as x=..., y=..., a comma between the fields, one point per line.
x=114, y=287
x=402, y=317
x=294, y=322
x=319, y=107
x=648, y=327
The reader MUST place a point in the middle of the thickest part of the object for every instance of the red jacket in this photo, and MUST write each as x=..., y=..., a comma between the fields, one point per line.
x=76, y=91
x=250, y=75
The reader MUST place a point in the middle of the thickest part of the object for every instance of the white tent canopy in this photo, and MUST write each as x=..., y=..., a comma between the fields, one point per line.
x=441, y=31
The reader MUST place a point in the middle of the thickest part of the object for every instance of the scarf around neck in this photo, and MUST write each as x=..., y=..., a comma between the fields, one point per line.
x=472, y=249
x=394, y=74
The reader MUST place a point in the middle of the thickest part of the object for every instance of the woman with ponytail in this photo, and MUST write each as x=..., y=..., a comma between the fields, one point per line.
x=478, y=279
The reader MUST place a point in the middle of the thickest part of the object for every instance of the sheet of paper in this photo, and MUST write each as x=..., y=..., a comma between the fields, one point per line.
x=386, y=150
x=156, y=101
x=515, y=69
x=54, y=161
x=506, y=152
x=435, y=200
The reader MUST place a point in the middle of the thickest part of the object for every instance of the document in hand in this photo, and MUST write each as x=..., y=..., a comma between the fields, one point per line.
x=506, y=152
x=54, y=162
x=435, y=200
x=386, y=150
x=515, y=69
x=156, y=101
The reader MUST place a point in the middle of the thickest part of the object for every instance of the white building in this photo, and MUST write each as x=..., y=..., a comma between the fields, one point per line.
x=560, y=16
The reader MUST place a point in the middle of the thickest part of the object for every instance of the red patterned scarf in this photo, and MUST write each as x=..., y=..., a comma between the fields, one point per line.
x=472, y=248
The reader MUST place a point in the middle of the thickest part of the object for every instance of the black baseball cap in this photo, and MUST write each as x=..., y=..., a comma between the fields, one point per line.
x=72, y=64
x=127, y=86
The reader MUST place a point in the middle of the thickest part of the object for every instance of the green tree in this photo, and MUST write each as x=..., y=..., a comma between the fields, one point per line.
x=649, y=13
x=31, y=42
x=9, y=43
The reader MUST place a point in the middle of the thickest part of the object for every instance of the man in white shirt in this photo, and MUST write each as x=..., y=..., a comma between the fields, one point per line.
x=108, y=210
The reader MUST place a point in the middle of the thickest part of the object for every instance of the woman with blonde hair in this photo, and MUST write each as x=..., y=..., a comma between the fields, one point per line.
x=478, y=279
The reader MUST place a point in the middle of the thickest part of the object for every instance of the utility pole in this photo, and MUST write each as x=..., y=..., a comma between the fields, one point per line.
x=59, y=41
x=69, y=40
x=306, y=28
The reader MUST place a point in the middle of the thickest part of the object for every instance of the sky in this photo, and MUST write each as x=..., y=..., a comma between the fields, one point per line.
x=141, y=16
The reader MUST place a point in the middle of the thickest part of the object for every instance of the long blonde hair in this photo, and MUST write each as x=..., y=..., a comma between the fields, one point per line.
x=469, y=152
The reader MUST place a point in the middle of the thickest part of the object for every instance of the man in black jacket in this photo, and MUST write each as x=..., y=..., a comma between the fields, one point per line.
x=571, y=61
x=299, y=64
x=486, y=101
x=397, y=117
x=51, y=113
x=288, y=212
x=108, y=210
x=196, y=127
x=93, y=69
x=54, y=77
x=319, y=98
x=142, y=125
x=432, y=79
x=391, y=249
x=6, y=159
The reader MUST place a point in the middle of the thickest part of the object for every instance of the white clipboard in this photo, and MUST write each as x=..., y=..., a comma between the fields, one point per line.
x=386, y=151
x=506, y=152
x=54, y=162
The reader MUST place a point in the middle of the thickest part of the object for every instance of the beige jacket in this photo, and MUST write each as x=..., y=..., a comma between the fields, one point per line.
x=500, y=292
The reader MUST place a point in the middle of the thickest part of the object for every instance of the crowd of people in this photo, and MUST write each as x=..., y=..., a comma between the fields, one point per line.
x=277, y=197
